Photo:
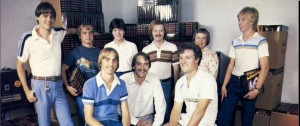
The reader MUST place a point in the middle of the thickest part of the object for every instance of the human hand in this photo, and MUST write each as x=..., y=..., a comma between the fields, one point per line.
x=224, y=92
x=30, y=95
x=71, y=90
x=251, y=94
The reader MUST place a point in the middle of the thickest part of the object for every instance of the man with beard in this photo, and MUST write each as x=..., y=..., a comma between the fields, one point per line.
x=163, y=57
x=143, y=89
x=197, y=88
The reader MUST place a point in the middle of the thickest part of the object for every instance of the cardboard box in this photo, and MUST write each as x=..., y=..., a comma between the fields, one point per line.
x=272, y=94
x=261, y=118
x=284, y=119
x=277, y=41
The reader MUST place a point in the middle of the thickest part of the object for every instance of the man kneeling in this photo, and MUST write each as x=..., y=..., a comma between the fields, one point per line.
x=197, y=89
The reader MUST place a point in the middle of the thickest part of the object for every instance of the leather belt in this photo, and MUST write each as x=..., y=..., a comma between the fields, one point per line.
x=164, y=80
x=48, y=78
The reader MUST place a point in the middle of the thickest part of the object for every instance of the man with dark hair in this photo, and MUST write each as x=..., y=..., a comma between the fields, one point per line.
x=144, y=93
x=42, y=48
x=197, y=88
x=163, y=58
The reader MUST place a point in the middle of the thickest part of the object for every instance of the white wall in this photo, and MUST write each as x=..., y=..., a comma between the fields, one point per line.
x=219, y=17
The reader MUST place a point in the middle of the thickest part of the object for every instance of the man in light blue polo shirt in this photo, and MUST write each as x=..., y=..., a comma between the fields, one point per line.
x=103, y=93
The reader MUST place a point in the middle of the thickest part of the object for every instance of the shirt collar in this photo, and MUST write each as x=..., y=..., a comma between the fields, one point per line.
x=36, y=36
x=132, y=79
x=123, y=43
x=253, y=36
x=100, y=81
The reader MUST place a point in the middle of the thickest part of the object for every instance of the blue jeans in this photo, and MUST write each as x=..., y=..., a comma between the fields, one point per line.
x=168, y=88
x=111, y=123
x=79, y=108
x=55, y=98
x=235, y=93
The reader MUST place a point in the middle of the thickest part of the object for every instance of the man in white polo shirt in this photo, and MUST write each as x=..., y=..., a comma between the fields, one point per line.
x=197, y=88
x=42, y=48
x=144, y=93
x=247, y=52
x=163, y=58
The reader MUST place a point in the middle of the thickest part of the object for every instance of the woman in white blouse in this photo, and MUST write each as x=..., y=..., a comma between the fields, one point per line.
x=209, y=61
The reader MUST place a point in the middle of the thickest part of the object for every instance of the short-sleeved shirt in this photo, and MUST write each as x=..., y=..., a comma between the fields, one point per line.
x=126, y=51
x=85, y=59
x=105, y=101
x=247, y=54
x=202, y=86
x=143, y=98
x=162, y=58
x=44, y=57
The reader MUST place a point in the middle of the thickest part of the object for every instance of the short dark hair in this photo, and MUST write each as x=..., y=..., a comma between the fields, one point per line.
x=191, y=46
x=203, y=31
x=45, y=8
x=117, y=23
x=145, y=55
x=156, y=22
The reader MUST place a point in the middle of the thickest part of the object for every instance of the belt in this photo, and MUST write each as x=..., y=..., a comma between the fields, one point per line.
x=164, y=80
x=239, y=77
x=48, y=78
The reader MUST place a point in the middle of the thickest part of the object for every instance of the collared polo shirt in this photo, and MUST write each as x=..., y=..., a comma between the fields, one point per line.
x=105, y=101
x=44, y=58
x=126, y=51
x=202, y=86
x=141, y=98
x=162, y=58
x=247, y=53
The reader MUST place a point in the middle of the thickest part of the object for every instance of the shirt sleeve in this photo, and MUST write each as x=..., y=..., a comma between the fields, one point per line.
x=159, y=103
x=88, y=92
x=213, y=64
x=231, y=52
x=124, y=94
x=69, y=60
x=23, y=47
x=263, y=49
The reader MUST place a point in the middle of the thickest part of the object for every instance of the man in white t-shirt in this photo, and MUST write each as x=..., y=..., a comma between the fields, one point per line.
x=197, y=88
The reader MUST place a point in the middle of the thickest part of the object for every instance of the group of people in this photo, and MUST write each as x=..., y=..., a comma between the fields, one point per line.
x=127, y=87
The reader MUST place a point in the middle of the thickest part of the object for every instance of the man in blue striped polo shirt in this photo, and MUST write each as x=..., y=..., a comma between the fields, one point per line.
x=103, y=93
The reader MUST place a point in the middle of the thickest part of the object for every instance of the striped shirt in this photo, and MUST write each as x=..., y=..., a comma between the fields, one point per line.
x=44, y=57
x=162, y=58
x=247, y=54
x=105, y=101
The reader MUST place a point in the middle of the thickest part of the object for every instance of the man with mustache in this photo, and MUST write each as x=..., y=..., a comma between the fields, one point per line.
x=143, y=89
x=163, y=58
